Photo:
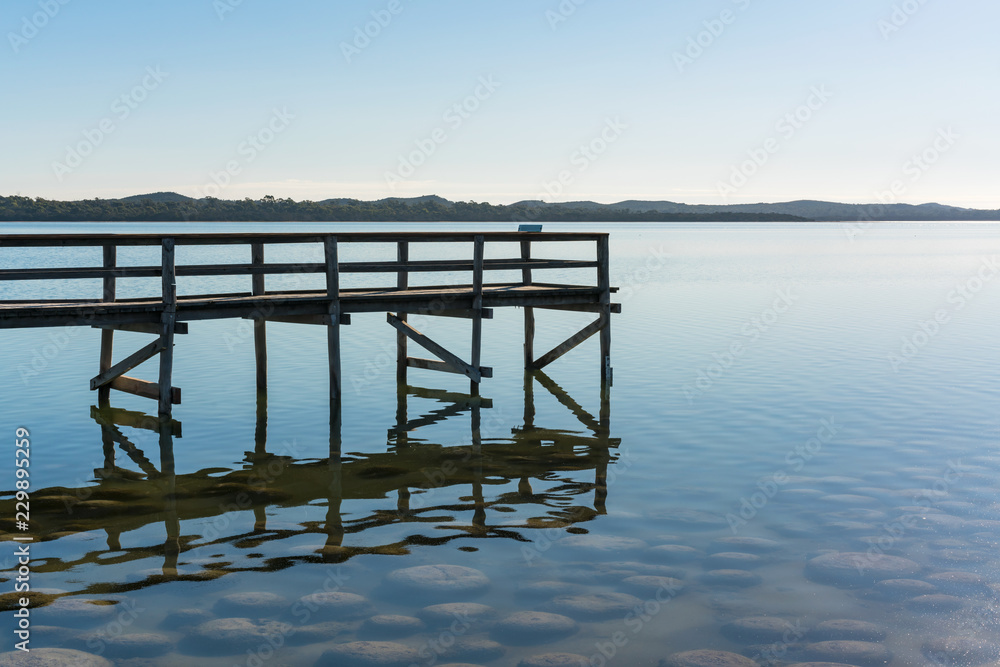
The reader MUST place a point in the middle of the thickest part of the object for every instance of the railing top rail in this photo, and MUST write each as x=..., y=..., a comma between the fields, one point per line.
x=97, y=240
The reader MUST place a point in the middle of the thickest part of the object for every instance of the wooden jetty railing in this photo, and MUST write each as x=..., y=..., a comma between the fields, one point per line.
x=169, y=314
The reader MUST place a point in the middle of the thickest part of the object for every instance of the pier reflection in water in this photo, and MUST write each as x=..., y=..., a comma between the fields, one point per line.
x=425, y=478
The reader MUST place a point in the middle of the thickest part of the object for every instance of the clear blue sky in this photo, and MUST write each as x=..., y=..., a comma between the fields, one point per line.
x=534, y=80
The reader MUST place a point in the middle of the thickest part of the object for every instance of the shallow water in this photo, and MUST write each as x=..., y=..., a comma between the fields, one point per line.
x=816, y=428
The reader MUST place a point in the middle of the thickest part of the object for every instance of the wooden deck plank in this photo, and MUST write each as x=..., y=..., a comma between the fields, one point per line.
x=414, y=299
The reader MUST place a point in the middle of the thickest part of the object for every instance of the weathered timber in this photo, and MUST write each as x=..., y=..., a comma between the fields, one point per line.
x=568, y=344
x=169, y=290
x=423, y=341
x=143, y=388
x=127, y=364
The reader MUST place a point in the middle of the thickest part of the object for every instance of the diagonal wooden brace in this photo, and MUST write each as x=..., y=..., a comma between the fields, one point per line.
x=571, y=342
x=127, y=364
x=423, y=341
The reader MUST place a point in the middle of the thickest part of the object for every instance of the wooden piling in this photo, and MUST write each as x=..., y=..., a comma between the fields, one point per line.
x=107, y=335
x=604, y=285
x=333, y=327
x=169, y=290
x=477, y=308
x=402, y=283
x=258, y=288
x=529, y=312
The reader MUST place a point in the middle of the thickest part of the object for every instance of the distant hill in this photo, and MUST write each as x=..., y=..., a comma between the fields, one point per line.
x=159, y=197
x=813, y=210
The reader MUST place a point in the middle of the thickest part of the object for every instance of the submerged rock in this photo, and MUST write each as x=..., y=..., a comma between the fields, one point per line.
x=863, y=654
x=465, y=613
x=731, y=578
x=904, y=589
x=546, y=590
x=841, y=629
x=52, y=657
x=690, y=519
x=732, y=560
x=555, y=660
x=369, y=654
x=72, y=612
x=756, y=545
x=859, y=569
x=663, y=588
x=135, y=645
x=534, y=627
x=385, y=626
x=317, y=633
x=760, y=630
x=251, y=605
x=185, y=618
x=595, y=606
x=234, y=635
x=335, y=606
x=704, y=658
x=674, y=553
x=603, y=544
x=480, y=650
x=438, y=581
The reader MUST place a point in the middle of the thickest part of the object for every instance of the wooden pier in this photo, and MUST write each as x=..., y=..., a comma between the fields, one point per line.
x=170, y=313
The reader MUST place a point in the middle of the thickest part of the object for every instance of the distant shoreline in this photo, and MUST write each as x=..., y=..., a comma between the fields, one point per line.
x=172, y=207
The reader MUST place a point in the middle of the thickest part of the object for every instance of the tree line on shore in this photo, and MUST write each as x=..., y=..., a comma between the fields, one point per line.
x=271, y=209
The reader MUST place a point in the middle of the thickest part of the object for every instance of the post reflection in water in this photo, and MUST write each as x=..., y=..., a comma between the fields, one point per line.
x=426, y=479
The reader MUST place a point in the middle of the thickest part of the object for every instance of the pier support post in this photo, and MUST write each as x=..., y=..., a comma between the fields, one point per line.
x=604, y=284
x=107, y=335
x=402, y=283
x=168, y=320
x=529, y=312
x=477, y=308
x=259, y=323
x=333, y=326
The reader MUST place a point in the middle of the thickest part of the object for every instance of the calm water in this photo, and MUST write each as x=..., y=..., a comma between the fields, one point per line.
x=777, y=382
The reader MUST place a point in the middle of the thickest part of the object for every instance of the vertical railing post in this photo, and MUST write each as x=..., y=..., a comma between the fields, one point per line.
x=259, y=322
x=108, y=335
x=477, y=306
x=402, y=283
x=529, y=312
x=604, y=285
x=333, y=326
x=168, y=319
